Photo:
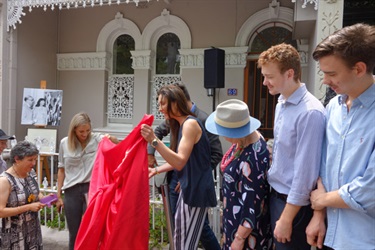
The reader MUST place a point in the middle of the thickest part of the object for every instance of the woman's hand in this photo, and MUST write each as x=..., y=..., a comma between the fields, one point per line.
x=112, y=138
x=59, y=204
x=36, y=206
x=237, y=244
x=147, y=132
x=152, y=172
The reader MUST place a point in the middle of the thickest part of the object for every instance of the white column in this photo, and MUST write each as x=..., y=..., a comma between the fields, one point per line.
x=142, y=83
x=8, y=64
x=329, y=19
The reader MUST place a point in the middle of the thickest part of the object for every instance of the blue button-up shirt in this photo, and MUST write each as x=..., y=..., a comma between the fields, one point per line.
x=349, y=166
x=298, y=131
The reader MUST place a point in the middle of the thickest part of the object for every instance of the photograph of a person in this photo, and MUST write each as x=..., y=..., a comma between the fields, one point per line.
x=41, y=107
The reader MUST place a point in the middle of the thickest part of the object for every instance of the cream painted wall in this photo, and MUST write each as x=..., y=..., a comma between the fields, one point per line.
x=83, y=91
x=211, y=22
x=36, y=57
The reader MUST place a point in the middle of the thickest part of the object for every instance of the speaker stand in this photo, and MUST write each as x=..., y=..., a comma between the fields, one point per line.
x=213, y=100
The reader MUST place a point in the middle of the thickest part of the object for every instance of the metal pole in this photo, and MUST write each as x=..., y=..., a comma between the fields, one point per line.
x=168, y=214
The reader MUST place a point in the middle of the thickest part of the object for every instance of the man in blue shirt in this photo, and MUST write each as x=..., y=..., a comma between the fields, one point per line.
x=346, y=190
x=298, y=136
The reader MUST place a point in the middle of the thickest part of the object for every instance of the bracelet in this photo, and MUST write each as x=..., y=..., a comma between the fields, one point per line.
x=156, y=170
x=239, y=237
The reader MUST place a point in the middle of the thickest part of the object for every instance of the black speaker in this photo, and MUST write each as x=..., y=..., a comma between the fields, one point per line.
x=214, y=68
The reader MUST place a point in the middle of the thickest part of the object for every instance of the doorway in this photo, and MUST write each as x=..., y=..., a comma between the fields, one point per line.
x=261, y=103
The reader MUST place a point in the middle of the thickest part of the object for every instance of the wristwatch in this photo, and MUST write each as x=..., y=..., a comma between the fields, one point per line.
x=154, y=142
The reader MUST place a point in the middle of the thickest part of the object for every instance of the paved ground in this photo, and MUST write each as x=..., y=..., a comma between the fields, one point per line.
x=58, y=240
x=54, y=239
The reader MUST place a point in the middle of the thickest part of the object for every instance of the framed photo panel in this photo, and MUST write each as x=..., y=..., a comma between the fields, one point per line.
x=44, y=139
x=41, y=107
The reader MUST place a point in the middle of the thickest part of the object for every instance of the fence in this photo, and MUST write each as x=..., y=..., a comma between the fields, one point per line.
x=50, y=217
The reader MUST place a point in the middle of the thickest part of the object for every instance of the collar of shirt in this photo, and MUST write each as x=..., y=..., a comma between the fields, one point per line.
x=366, y=98
x=294, y=98
x=193, y=108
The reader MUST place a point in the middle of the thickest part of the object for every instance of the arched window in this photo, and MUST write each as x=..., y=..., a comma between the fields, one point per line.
x=167, y=55
x=270, y=34
x=121, y=82
x=122, y=62
x=156, y=35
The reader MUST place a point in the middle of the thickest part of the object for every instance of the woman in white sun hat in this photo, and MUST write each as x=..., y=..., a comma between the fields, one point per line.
x=246, y=219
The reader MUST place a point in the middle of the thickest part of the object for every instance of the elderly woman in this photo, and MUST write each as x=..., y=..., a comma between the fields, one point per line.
x=246, y=219
x=19, y=200
x=190, y=156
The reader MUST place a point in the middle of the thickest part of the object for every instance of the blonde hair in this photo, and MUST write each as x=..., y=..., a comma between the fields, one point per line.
x=77, y=120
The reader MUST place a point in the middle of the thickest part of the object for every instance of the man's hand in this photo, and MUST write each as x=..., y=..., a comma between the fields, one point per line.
x=316, y=196
x=283, y=231
x=178, y=187
x=316, y=229
x=152, y=161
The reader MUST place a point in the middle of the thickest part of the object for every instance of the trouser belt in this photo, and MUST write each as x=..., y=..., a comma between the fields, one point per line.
x=283, y=197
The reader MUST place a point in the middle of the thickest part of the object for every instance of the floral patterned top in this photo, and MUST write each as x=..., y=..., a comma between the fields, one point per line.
x=246, y=194
x=21, y=232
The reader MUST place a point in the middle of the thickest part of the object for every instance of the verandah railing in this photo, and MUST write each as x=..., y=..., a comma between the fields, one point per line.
x=50, y=217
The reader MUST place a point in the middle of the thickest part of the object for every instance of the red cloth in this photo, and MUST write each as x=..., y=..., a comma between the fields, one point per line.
x=117, y=216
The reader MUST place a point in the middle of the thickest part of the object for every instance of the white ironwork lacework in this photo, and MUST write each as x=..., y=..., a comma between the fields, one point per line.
x=120, y=96
x=158, y=82
x=305, y=2
x=15, y=7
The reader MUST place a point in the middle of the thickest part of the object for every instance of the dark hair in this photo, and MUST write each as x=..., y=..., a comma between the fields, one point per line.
x=174, y=94
x=352, y=44
x=27, y=98
x=285, y=56
x=23, y=149
x=38, y=102
x=184, y=89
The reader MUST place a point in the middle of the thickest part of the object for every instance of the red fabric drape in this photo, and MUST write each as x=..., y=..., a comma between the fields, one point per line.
x=117, y=216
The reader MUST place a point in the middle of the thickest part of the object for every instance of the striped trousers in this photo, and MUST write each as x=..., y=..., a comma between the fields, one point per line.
x=188, y=225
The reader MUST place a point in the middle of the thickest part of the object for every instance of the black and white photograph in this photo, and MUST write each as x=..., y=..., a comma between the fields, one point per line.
x=41, y=107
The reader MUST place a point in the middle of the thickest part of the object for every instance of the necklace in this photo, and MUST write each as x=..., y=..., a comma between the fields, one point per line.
x=232, y=154
x=18, y=175
x=15, y=171
x=24, y=182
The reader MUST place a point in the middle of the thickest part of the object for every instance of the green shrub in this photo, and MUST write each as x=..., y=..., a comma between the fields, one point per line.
x=45, y=218
x=158, y=229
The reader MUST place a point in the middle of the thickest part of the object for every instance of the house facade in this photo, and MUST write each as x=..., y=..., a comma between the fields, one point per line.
x=74, y=47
